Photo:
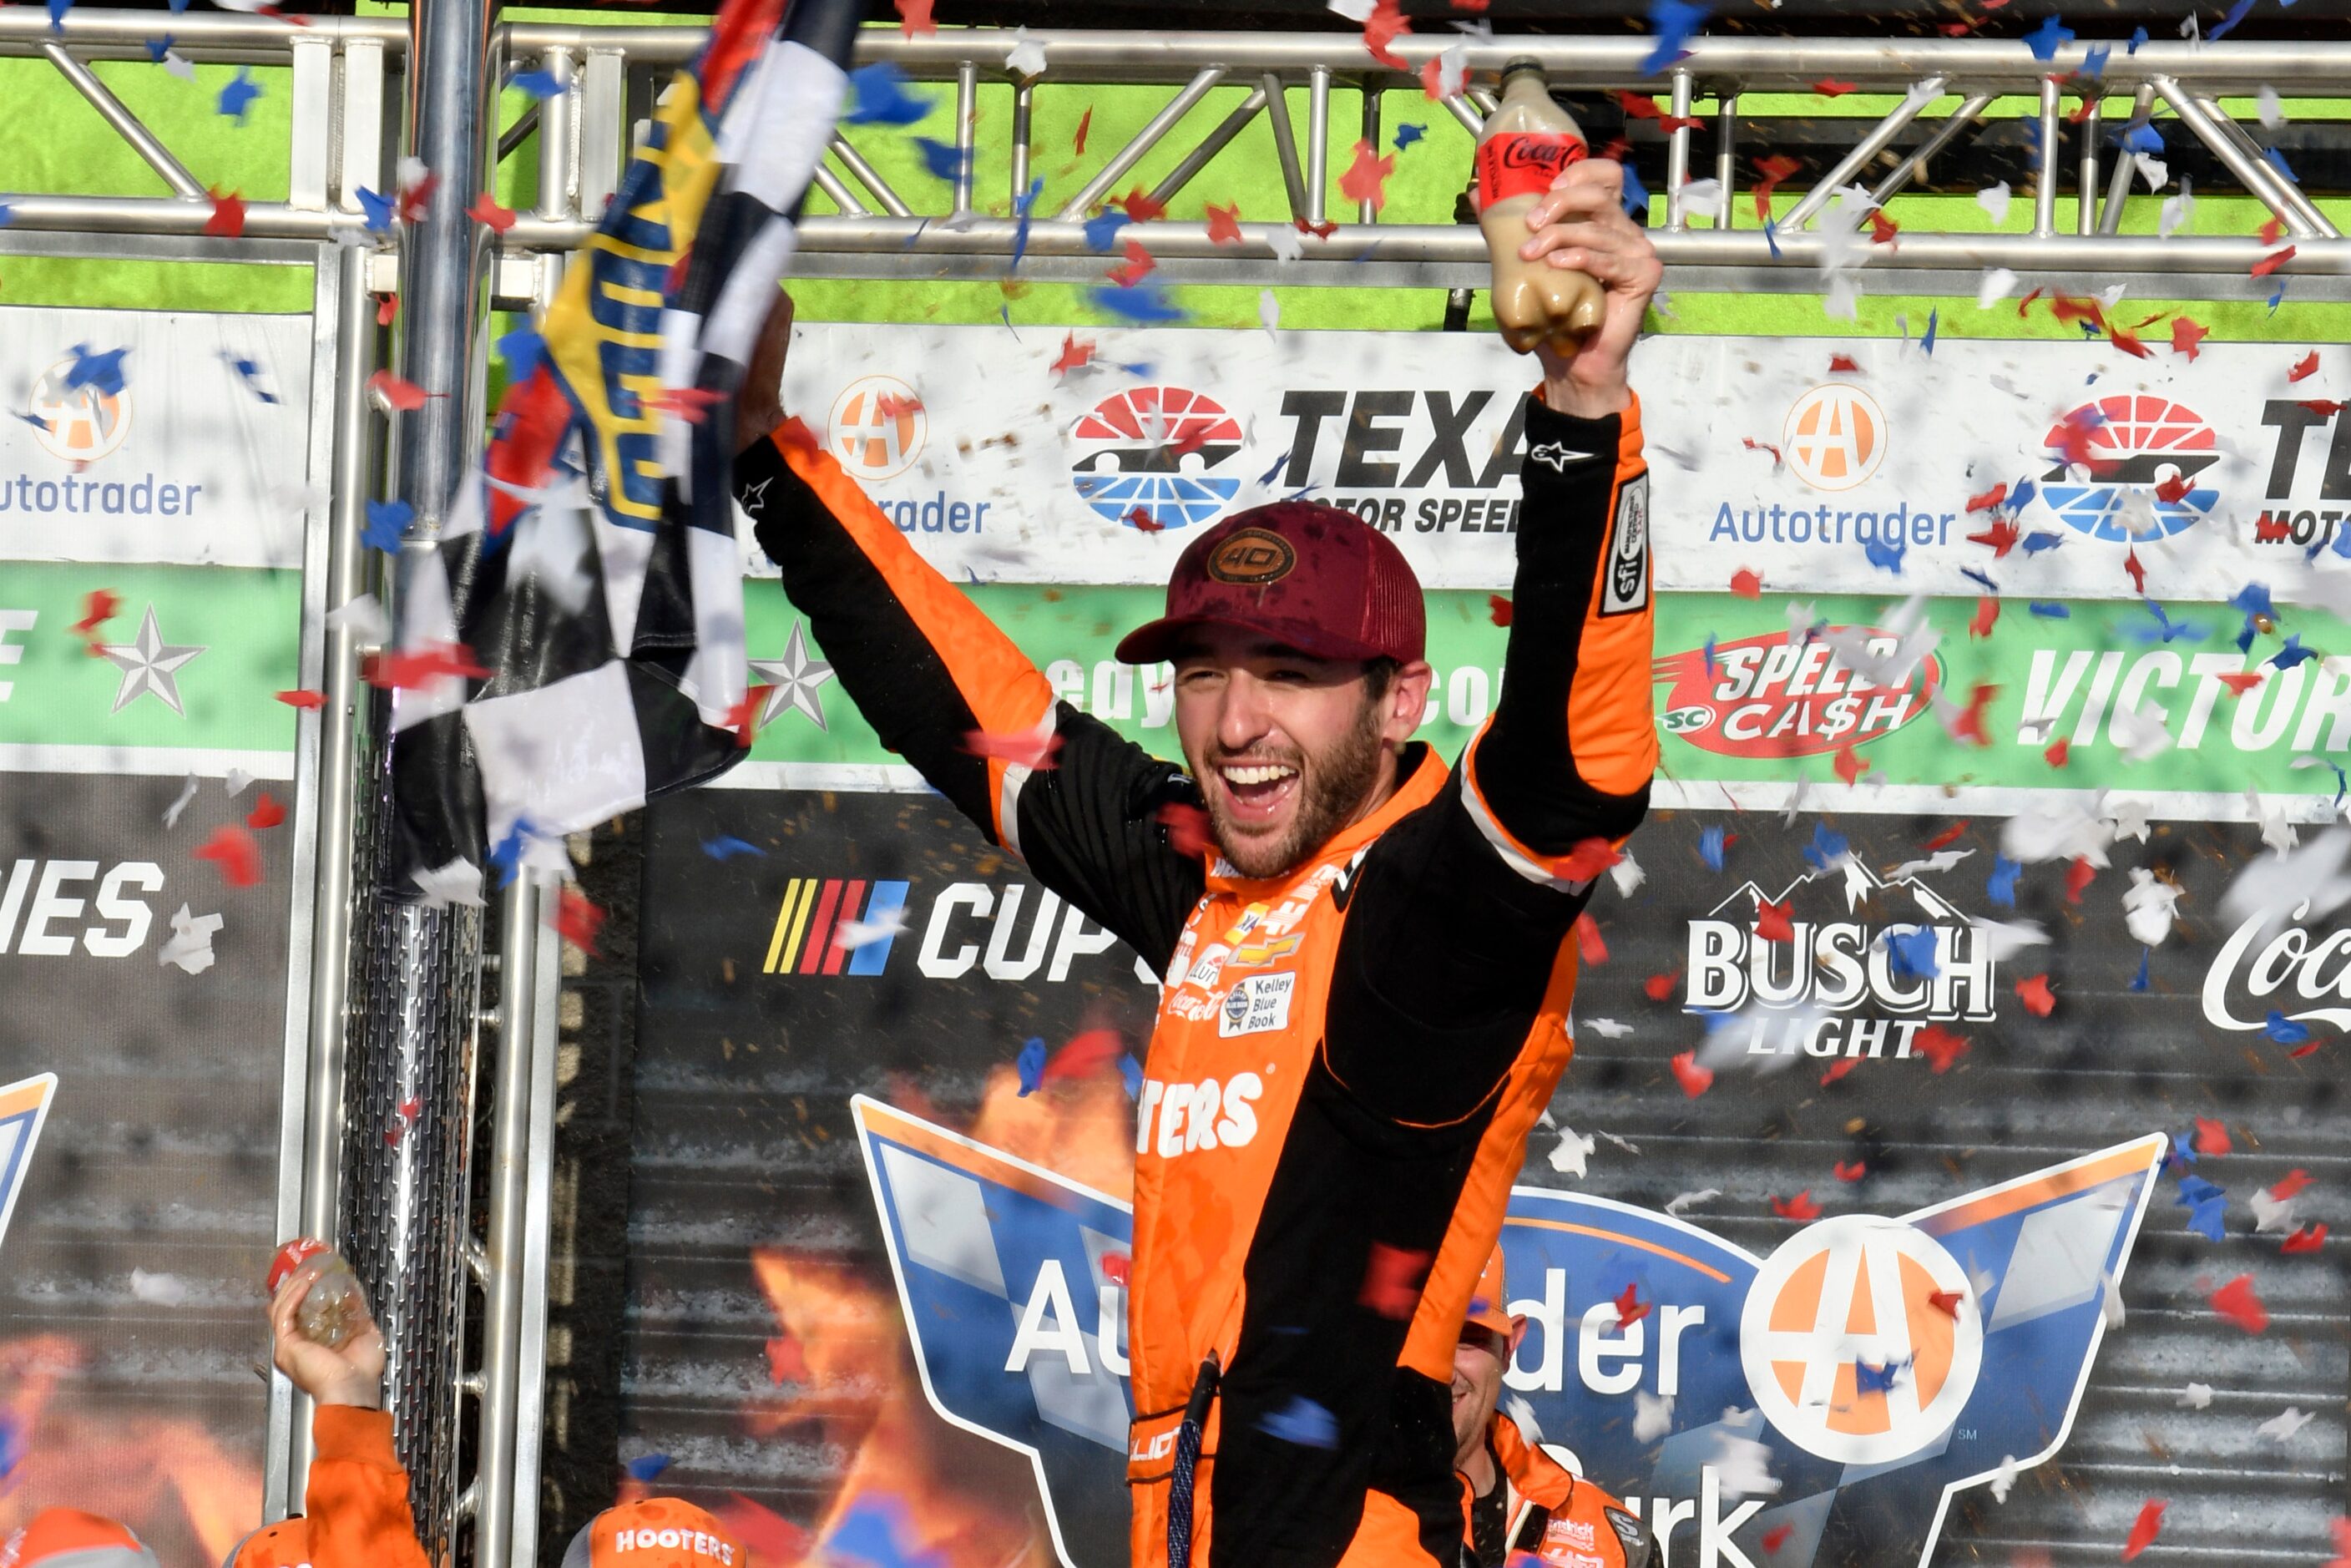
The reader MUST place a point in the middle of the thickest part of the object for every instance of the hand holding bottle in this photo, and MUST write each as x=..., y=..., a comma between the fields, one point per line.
x=323, y=1338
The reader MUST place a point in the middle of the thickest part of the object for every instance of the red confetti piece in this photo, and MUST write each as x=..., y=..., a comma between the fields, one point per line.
x=1366, y=179
x=2143, y=1533
x=1945, y=1302
x=267, y=814
x=2272, y=262
x=1745, y=584
x=233, y=851
x=1139, y=206
x=1660, y=986
x=227, y=221
x=2026, y=303
x=1882, y=229
x=2186, y=334
x=404, y=395
x=414, y=199
x=1828, y=87
x=2295, y=1182
x=1137, y=267
x=693, y=404
x=392, y=1138
x=914, y=20
x=2135, y=569
x=2306, y=1239
x=2271, y=229
x=1142, y=522
x=1392, y=1278
x=1589, y=946
x=2212, y=1136
x=1025, y=749
x=1187, y=828
x=743, y=718
x=2067, y=308
x=1093, y=1051
x=1075, y=354
x=1849, y=1172
x=1774, y=169
x=303, y=698
x=412, y=1108
x=1848, y=763
x=1777, y=1536
x=2039, y=1001
x=1695, y=1079
x=2303, y=368
x=1224, y=224
x=1800, y=1207
x=1630, y=1308
x=2242, y=681
x=2323, y=407
x=767, y=1535
x=1587, y=858
x=486, y=210
x=1114, y=1268
x=2001, y=537
x=2238, y=1302
x=1940, y=1046
x=1382, y=27
x=1970, y=725
x=2079, y=430
x=1986, y=616
x=387, y=309
x=2060, y=752
x=1754, y=445
x=97, y=608
x=1498, y=608
x=1948, y=837
x=577, y=920
x=401, y=669
x=1838, y=1069
x=2126, y=342
x=1085, y=123
x=2078, y=877
x=1320, y=231
x=1771, y=923
x=787, y=1363
x=1991, y=500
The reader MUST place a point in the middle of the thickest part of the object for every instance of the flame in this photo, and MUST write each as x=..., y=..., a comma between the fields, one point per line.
x=174, y=1482
x=1082, y=1129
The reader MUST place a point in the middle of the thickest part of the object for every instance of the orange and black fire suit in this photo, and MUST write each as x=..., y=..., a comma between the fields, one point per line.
x=355, y=1502
x=1347, y=1057
x=1545, y=1510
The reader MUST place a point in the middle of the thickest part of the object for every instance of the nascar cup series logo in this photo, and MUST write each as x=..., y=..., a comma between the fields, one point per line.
x=1834, y=438
x=878, y=427
x=2144, y=454
x=1150, y=458
x=76, y=424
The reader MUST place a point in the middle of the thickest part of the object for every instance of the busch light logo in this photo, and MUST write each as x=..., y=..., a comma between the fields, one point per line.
x=1831, y=1397
x=1148, y=457
x=2144, y=454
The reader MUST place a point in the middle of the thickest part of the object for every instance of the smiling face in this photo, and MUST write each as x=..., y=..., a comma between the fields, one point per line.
x=1478, y=1362
x=1288, y=749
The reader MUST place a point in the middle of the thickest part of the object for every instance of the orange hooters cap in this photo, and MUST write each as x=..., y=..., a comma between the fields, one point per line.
x=1489, y=1308
x=656, y=1532
x=68, y=1538
x=1308, y=576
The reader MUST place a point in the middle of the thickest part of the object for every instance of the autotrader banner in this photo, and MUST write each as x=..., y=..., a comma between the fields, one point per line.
x=1902, y=1202
x=1845, y=466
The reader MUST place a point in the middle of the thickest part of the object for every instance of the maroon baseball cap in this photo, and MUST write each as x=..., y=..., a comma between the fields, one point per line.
x=1320, y=580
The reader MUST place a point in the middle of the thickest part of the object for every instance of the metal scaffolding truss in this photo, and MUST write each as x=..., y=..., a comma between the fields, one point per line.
x=2081, y=185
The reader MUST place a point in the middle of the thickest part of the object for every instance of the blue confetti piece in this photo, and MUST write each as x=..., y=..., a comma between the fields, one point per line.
x=2138, y=37
x=2094, y=61
x=1708, y=649
x=236, y=96
x=2277, y=297
x=878, y=1532
x=1912, y=954
x=506, y=855
x=646, y=1467
x=2253, y=600
x=1141, y=302
x=1282, y=462
x=2285, y=1030
x=2047, y=38
x=178, y=7
x=1031, y=1066
x=2293, y=654
x=2022, y=495
x=1671, y=22
x=2138, y=982
x=1885, y=556
x=2049, y=610
x=7, y=215
x=1973, y=575
x=1868, y=1379
x=1710, y=846
x=1934, y=324
x=1637, y=195
x=2040, y=539
x=249, y=371
x=2001, y=887
x=1827, y=847
x=101, y=371
x=158, y=47
x=378, y=209
x=1141, y=369
x=1408, y=133
x=2276, y=159
x=58, y=9
x=1004, y=313
x=521, y=349
x=1303, y=1422
x=2194, y=1189
x=2228, y=24
x=880, y=98
x=725, y=847
x=1026, y=204
x=387, y=525
x=1771, y=238
x=2208, y=1218
x=2180, y=1150
x=1102, y=229
x=943, y=161
x=540, y=85
x=1130, y=1072
x=2142, y=137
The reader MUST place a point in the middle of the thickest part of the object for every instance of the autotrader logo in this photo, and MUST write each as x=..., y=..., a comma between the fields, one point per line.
x=76, y=424
x=1834, y=438
x=2138, y=477
x=878, y=427
x=1148, y=457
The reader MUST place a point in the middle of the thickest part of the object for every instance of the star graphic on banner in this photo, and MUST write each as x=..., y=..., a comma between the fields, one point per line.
x=792, y=681
x=149, y=665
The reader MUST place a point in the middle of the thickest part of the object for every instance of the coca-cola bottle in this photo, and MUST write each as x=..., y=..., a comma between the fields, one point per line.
x=335, y=1307
x=1528, y=141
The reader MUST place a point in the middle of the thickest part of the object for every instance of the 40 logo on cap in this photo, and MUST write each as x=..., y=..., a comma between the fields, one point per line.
x=2137, y=444
x=1149, y=457
x=1834, y=438
x=76, y=424
x=1846, y=1352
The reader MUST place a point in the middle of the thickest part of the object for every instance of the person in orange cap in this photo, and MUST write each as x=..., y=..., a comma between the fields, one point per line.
x=357, y=1498
x=68, y=1538
x=655, y=1533
x=1515, y=1497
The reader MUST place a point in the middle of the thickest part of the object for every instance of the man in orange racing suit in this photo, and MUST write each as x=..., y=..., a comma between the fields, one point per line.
x=1366, y=953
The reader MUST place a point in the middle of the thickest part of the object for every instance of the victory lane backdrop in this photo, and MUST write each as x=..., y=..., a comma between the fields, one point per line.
x=804, y=947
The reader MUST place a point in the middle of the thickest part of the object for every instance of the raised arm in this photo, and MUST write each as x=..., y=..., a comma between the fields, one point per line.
x=945, y=689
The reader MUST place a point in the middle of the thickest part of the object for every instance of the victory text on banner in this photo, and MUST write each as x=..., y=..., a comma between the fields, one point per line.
x=2216, y=471
x=154, y=436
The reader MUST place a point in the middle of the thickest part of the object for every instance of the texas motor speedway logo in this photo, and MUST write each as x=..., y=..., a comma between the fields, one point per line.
x=1869, y=1367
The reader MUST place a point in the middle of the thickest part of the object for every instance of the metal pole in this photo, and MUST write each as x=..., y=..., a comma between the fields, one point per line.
x=1365, y=211
x=508, y=1178
x=1678, y=155
x=1285, y=144
x=867, y=176
x=1726, y=163
x=1214, y=142
x=1318, y=141
x=2110, y=219
x=416, y=971
x=2045, y=180
x=125, y=123
x=1144, y=139
x=1868, y=147
x=2297, y=206
x=967, y=127
x=1024, y=98
x=1914, y=165
x=2086, y=202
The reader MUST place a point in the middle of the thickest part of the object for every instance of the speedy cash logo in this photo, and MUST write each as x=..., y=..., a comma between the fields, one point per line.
x=2140, y=456
x=1767, y=697
x=1152, y=458
x=76, y=424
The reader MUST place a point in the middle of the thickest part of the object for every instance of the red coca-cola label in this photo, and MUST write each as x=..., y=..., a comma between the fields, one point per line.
x=1521, y=162
x=292, y=1256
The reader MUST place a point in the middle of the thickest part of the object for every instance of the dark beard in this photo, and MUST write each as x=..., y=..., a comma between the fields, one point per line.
x=1330, y=788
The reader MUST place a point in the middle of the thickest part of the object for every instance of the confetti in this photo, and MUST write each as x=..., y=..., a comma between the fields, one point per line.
x=2303, y=368
x=915, y=17
x=267, y=814
x=2306, y=1239
x=1301, y=1422
x=190, y=946
x=725, y=847
x=1391, y=1282
x=1365, y=179
x=227, y=220
x=1799, y=1207
x=303, y=698
x=1224, y=224
x=878, y=96
x=1745, y=584
x=404, y=395
x=1139, y=303
x=236, y=95
x=1076, y=355
x=2238, y=1302
x=1851, y=1171
x=1671, y=22
x=2036, y=995
x=1695, y=1079
x=2143, y=1533
x=102, y=372
x=233, y=851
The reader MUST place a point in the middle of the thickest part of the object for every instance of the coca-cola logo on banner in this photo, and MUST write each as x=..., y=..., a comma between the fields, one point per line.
x=1769, y=696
